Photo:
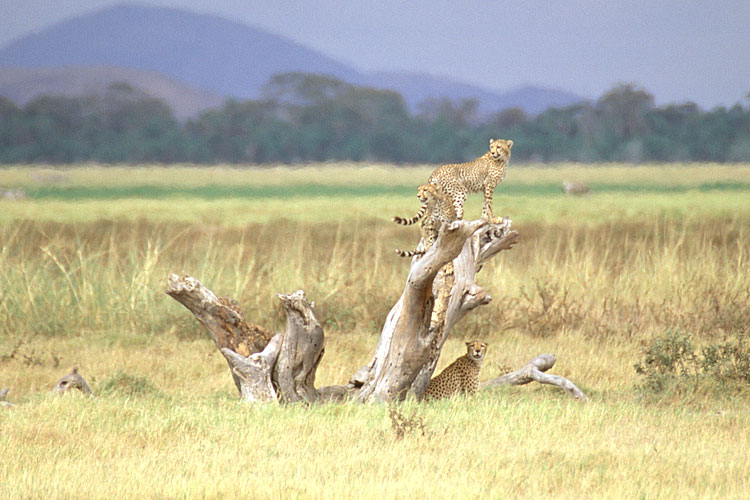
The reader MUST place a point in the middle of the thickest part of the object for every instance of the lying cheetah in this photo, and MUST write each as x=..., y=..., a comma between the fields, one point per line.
x=477, y=176
x=435, y=210
x=460, y=376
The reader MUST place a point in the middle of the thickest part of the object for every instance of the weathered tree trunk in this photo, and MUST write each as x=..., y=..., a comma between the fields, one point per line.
x=439, y=291
x=434, y=299
x=264, y=367
x=456, y=292
x=226, y=325
x=301, y=349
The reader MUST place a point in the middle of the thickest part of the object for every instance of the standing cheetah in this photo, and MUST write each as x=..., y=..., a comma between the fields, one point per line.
x=460, y=376
x=477, y=176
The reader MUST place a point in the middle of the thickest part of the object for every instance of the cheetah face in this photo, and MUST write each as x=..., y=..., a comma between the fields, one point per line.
x=476, y=349
x=500, y=149
x=425, y=191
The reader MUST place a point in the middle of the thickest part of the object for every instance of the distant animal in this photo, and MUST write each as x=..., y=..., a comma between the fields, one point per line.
x=13, y=194
x=72, y=380
x=435, y=210
x=461, y=376
x=575, y=188
x=481, y=175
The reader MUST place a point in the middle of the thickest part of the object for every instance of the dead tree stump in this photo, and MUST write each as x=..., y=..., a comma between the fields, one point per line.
x=72, y=381
x=440, y=289
x=301, y=350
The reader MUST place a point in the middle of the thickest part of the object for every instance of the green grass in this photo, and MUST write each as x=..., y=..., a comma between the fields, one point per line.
x=82, y=281
x=218, y=192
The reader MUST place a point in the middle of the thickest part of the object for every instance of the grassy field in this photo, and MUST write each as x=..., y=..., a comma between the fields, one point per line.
x=83, y=266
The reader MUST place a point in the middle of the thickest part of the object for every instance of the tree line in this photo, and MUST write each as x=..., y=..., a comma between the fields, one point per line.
x=311, y=118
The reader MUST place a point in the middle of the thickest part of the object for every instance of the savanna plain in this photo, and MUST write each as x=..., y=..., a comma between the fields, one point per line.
x=641, y=289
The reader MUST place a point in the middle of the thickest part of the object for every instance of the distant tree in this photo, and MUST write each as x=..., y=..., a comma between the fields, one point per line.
x=624, y=108
x=509, y=118
x=305, y=117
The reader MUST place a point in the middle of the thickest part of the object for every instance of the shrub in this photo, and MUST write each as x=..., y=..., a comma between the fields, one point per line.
x=129, y=385
x=671, y=363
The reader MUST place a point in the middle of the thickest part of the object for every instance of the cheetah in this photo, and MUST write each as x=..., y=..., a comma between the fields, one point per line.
x=460, y=376
x=435, y=210
x=481, y=175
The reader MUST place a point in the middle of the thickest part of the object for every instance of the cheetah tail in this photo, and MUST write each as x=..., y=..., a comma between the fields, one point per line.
x=409, y=222
x=409, y=253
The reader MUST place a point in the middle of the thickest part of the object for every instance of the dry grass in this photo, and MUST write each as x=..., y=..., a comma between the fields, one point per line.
x=592, y=280
x=498, y=445
x=370, y=174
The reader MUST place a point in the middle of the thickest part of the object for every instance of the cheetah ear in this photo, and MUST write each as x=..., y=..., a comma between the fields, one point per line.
x=510, y=144
x=492, y=140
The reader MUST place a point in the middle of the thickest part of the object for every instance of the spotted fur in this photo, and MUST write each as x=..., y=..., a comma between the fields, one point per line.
x=461, y=376
x=436, y=209
x=478, y=176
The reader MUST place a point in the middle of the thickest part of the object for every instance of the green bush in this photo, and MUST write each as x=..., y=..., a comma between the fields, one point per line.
x=671, y=364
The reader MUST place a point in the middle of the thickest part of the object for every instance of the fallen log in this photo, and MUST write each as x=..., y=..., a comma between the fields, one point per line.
x=534, y=372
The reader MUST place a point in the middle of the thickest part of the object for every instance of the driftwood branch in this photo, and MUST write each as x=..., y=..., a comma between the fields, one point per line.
x=534, y=372
x=254, y=371
x=72, y=381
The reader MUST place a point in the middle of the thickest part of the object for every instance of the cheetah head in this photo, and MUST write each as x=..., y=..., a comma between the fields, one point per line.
x=426, y=191
x=476, y=349
x=500, y=149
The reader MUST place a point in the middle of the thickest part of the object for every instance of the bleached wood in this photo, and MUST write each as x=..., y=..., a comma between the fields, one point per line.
x=534, y=372
x=72, y=381
x=222, y=319
x=264, y=368
x=301, y=350
x=440, y=289
x=254, y=371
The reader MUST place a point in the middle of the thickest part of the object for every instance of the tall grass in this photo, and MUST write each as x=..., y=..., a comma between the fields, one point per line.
x=608, y=280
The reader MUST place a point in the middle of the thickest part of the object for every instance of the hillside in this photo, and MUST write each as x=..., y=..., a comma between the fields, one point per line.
x=415, y=86
x=227, y=58
x=21, y=85
x=205, y=51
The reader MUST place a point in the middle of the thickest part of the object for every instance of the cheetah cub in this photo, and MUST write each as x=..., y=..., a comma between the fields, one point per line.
x=436, y=209
x=481, y=175
x=460, y=376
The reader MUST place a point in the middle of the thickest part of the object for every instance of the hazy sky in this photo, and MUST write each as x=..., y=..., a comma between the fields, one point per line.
x=677, y=49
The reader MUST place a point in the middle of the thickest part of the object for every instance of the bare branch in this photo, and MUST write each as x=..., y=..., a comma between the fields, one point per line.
x=534, y=372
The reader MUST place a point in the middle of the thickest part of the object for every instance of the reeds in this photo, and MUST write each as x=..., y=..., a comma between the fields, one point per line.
x=606, y=280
